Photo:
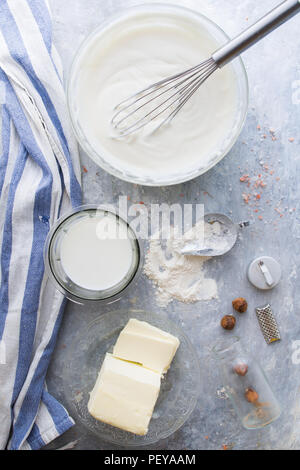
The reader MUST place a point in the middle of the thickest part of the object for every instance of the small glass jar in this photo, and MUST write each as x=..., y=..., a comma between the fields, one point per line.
x=67, y=264
x=246, y=385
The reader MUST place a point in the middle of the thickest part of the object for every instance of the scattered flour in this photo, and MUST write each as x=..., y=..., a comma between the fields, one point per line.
x=177, y=276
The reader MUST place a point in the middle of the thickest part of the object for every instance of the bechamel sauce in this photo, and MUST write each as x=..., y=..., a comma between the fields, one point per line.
x=91, y=254
x=134, y=53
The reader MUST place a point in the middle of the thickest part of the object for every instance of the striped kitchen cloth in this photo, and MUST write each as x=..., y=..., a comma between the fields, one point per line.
x=39, y=179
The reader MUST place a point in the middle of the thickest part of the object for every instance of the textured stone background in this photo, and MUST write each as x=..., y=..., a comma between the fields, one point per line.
x=274, y=74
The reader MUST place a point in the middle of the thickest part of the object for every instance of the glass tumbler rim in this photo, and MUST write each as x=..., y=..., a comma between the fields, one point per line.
x=59, y=284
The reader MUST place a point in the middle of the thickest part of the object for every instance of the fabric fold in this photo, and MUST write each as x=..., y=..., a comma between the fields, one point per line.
x=39, y=177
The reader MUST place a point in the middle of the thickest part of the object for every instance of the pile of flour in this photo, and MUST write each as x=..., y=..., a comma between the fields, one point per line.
x=175, y=275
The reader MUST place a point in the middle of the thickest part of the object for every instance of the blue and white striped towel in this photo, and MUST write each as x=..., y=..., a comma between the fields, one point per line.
x=39, y=178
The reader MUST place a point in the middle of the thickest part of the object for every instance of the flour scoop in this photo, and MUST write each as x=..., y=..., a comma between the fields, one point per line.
x=220, y=235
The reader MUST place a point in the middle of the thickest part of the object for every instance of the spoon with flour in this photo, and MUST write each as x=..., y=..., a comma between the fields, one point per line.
x=220, y=235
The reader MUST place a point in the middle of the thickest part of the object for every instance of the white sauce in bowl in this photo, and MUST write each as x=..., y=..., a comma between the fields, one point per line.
x=131, y=54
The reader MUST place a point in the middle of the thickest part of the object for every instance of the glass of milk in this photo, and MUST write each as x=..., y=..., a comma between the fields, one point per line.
x=92, y=254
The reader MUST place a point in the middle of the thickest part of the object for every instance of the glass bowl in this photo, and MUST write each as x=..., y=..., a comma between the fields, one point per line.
x=99, y=157
x=179, y=389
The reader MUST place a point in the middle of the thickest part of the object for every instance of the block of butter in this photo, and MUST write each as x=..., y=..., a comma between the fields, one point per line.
x=147, y=345
x=124, y=395
x=128, y=383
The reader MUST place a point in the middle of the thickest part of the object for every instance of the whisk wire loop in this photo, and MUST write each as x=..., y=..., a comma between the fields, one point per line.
x=182, y=86
x=162, y=96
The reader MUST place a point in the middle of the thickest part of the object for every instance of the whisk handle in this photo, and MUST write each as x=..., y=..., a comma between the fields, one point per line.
x=256, y=32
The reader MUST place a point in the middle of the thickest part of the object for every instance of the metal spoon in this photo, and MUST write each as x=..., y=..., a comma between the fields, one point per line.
x=228, y=236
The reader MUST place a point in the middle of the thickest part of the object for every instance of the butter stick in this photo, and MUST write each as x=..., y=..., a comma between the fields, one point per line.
x=150, y=346
x=124, y=395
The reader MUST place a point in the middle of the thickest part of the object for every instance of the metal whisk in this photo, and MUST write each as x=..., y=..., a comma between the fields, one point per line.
x=163, y=100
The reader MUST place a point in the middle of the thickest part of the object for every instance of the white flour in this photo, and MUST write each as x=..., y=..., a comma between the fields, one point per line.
x=177, y=276
x=214, y=238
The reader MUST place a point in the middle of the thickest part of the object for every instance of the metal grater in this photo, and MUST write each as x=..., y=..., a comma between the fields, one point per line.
x=268, y=323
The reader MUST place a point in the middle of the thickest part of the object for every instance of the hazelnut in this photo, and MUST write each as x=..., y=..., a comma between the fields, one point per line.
x=240, y=304
x=228, y=322
x=251, y=395
x=241, y=369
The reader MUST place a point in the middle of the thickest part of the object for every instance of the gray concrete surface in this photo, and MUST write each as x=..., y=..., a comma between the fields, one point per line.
x=265, y=147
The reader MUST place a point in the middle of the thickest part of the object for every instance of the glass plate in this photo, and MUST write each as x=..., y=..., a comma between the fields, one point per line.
x=179, y=388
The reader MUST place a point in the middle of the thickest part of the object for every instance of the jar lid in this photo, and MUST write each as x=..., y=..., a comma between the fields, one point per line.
x=264, y=272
